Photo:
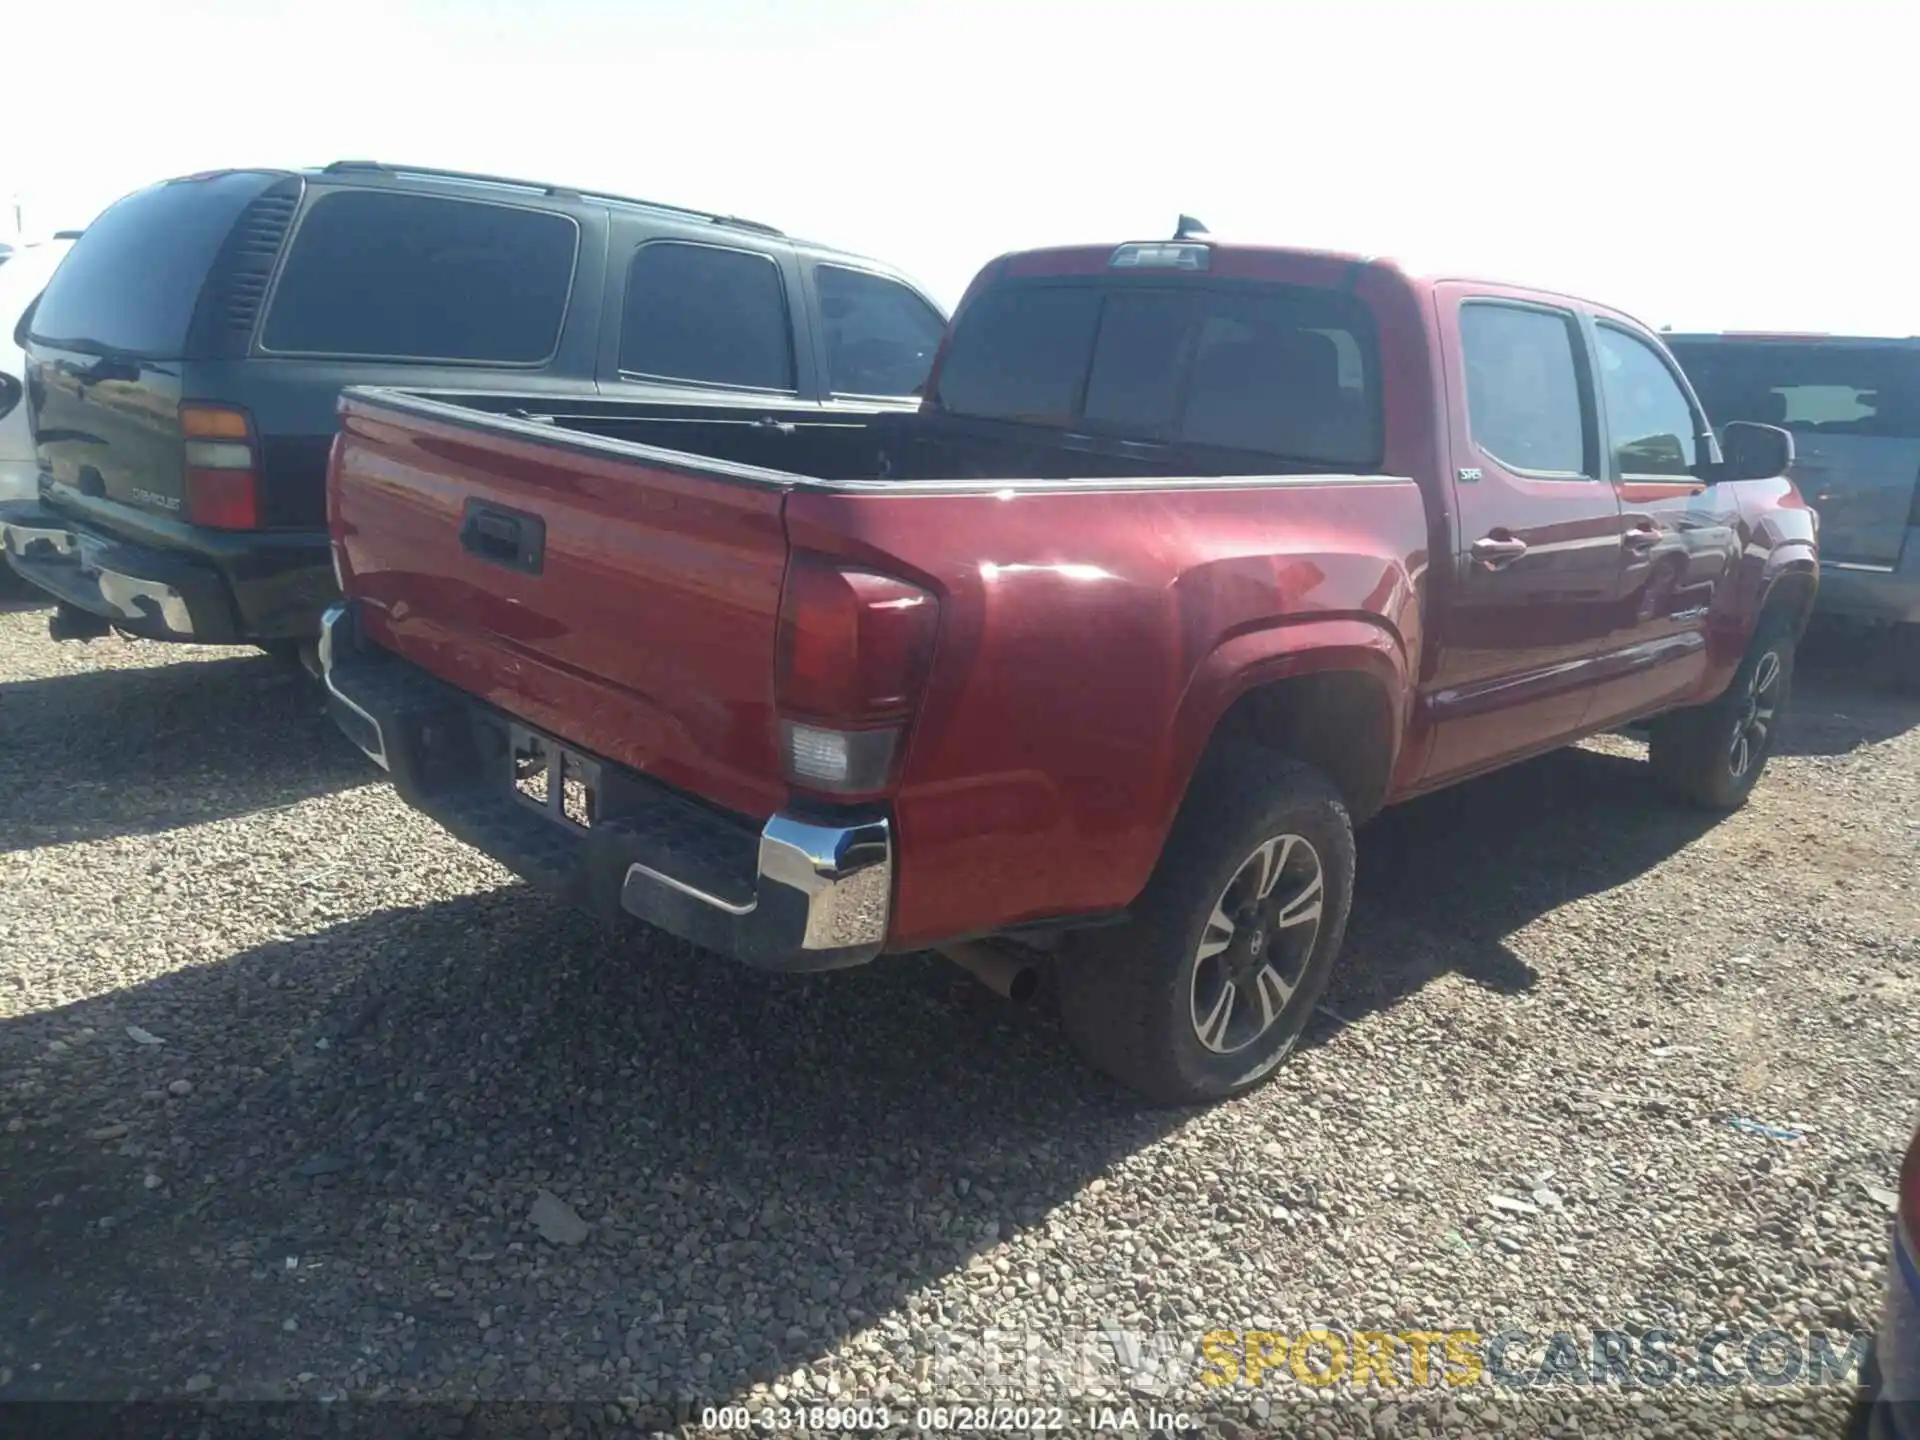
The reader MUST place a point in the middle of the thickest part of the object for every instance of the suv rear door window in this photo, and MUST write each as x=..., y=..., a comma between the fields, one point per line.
x=421, y=277
x=130, y=283
x=705, y=313
x=880, y=335
x=1280, y=371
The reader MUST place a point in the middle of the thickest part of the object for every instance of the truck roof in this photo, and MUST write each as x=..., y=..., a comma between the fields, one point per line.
x=1255, y=261
x=1091, y=259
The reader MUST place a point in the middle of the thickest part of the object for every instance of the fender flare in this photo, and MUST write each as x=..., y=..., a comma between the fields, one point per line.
x=1316, y=645
x=1789, y=560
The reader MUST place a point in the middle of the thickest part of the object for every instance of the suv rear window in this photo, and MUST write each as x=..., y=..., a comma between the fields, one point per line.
x=1282, y=371
x=1819, y=388
x=422, y=277
x=131, y=282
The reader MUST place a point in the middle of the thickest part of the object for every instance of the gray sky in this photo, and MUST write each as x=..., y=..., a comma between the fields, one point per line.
x=1698, y=163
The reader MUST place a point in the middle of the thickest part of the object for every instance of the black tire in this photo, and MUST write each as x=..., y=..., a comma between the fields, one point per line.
x=1904, y=652
x=300, y=656
x=1860, y=1418
x=1131, y=996
x=1697, y=754
x=16, y=589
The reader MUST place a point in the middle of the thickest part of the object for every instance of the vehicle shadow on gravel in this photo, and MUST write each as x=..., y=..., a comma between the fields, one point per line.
x=1444, y=880
x=766, y=1164
x=100, y=753
x=1847, y=694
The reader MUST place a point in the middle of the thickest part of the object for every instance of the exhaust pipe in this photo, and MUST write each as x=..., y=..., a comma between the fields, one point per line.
x=1000, y=972
x=70, y=622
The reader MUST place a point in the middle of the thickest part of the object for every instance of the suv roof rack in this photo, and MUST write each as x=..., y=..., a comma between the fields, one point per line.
x=340, y=167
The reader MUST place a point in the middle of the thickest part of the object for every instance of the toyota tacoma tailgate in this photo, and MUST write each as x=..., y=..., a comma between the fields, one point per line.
x=628, y=609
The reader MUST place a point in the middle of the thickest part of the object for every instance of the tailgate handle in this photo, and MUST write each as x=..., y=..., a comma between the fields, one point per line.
x=504, y=537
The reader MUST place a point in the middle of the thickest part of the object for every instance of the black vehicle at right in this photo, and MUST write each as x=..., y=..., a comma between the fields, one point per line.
x=1853, y=405
x=184, y=364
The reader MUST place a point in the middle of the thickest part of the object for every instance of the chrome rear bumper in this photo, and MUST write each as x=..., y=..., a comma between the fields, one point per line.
x=801, y=893
x=68, y=564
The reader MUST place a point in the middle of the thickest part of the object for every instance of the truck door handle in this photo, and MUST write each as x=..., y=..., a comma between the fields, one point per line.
x=1496, y=552
x=509, y=538
x=1641, y=537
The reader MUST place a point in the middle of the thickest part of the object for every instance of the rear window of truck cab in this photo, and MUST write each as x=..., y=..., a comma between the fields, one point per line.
x=1278, y=370
x=403, y=276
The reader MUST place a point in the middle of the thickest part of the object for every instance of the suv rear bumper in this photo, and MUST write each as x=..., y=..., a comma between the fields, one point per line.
x=213, y=588
x=801, y=893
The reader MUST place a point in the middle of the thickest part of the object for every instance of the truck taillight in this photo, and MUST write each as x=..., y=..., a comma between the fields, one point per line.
x=854, y=651
x=222, y=465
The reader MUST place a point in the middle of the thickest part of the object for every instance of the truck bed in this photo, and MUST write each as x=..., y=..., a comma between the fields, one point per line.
x=645, y=631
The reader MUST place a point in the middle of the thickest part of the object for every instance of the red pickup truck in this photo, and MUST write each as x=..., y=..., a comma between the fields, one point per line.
x=1194, y=556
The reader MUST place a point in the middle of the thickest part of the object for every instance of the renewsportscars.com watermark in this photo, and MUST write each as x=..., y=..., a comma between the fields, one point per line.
x=1333, y=1358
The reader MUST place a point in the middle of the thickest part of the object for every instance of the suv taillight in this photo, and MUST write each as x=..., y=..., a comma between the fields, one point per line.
x=855, y=647
x=223, y=463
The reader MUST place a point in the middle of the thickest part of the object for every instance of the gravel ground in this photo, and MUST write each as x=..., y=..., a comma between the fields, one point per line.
x=301, y=1098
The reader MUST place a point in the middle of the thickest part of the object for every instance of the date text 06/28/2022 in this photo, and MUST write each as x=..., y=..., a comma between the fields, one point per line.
x=958, y=1419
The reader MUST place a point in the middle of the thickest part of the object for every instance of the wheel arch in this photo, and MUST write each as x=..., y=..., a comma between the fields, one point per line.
x=1791, y=590
x=1334, y=694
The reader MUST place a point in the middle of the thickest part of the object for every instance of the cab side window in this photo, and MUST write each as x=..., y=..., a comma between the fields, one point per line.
x=1527, y=407
x=1654, y=431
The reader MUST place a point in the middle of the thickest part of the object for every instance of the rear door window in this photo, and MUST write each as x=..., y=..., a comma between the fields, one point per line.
x=1280, y=371
x=423, y=277
x=881, y=337
x=708, y=314
x=1526, y=409
x=130, y=283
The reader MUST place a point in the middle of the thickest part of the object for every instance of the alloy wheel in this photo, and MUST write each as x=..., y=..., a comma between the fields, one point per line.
x=1754, y=726
x=1256, y=944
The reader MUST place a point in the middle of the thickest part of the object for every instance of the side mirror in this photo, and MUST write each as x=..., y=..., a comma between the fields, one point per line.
x=9, y=395
x=1754, y=452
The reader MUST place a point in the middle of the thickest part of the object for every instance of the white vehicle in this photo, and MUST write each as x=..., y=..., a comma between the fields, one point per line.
x=23, y=275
